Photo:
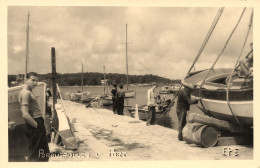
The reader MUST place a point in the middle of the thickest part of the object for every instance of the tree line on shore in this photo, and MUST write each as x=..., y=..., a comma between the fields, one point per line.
x=94, y=78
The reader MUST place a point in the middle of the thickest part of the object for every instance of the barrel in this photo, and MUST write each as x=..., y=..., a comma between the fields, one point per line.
x=200, y=134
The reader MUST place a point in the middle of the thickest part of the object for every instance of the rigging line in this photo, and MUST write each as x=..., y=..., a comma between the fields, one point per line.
x=251, y=52
x=213, y=25
x=59, y=78
x=222, y=51
x=249, y=28
x=224, y=46
x=229, y=81
x=211, y=29
x=217, y=18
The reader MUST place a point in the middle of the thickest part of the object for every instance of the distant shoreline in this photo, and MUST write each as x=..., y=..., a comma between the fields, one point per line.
x=101, y=86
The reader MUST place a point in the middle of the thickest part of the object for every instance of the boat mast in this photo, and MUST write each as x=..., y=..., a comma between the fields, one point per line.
x=82, y=77
x=27, y=48
x=126, y=60
x=104, y=80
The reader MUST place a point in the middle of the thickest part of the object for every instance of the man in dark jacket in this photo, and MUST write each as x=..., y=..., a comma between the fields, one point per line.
x=183, y=105
x=114, y=97
x=120, y=100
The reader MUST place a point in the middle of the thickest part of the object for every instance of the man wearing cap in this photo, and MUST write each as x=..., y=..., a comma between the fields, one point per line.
x=151, y=106
x=183, y=105
x=35, y=132
x=114, y=97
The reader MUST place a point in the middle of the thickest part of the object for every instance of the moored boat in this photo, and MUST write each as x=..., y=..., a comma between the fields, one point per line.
x=106, y=100
x=130, y=94
x=214, y=95
x=164, y=108
x=167, y=90
x=84, y=97
x=225, y=94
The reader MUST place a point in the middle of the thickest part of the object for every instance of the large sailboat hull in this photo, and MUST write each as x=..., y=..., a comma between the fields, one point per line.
x=243, y=110
x=234, y=104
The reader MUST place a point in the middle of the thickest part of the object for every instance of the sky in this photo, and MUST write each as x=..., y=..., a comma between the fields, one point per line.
x=163, y=41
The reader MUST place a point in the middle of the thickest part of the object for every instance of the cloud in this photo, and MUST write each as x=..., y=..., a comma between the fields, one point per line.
x=164, y=40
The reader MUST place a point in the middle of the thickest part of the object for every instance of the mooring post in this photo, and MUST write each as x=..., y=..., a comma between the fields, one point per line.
x=136, y=112
x=54, y=89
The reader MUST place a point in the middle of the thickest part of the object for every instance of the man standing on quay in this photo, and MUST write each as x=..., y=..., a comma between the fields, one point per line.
x=120, y=100
x=35, y=132
x=151, y=106
x=114, y=97
x=183, y=105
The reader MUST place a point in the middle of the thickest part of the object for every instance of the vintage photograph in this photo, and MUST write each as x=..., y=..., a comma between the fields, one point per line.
x=130, y=83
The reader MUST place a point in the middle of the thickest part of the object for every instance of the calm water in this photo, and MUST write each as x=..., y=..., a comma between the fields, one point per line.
x=141, y=97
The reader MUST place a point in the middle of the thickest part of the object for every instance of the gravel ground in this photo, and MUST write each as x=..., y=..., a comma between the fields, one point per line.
x=103, y=135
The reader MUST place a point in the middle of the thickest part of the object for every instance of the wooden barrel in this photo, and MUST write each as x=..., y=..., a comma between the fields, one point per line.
x=200, y=134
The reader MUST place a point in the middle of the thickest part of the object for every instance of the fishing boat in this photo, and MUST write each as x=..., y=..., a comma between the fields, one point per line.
x=170, y=89
x=82, y=96
x=161, y=109
x=166, y=90
x=106, y=100
x=214, y=95
x=226, y=94
x=176, y=88
x=128, y=93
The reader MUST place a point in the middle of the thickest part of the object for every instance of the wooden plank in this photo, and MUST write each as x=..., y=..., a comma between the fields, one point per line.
x=65, y=132
x=235, y=140
x=220, y=124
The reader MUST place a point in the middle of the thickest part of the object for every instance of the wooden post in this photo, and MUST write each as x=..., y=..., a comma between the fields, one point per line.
x=136, y=112
x=27, y=48
x=126, y=60
x=82, y=79
x=54, y=89
x=104, y=80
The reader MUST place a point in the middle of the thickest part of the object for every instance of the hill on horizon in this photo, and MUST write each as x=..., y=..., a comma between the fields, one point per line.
x=94, y=78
